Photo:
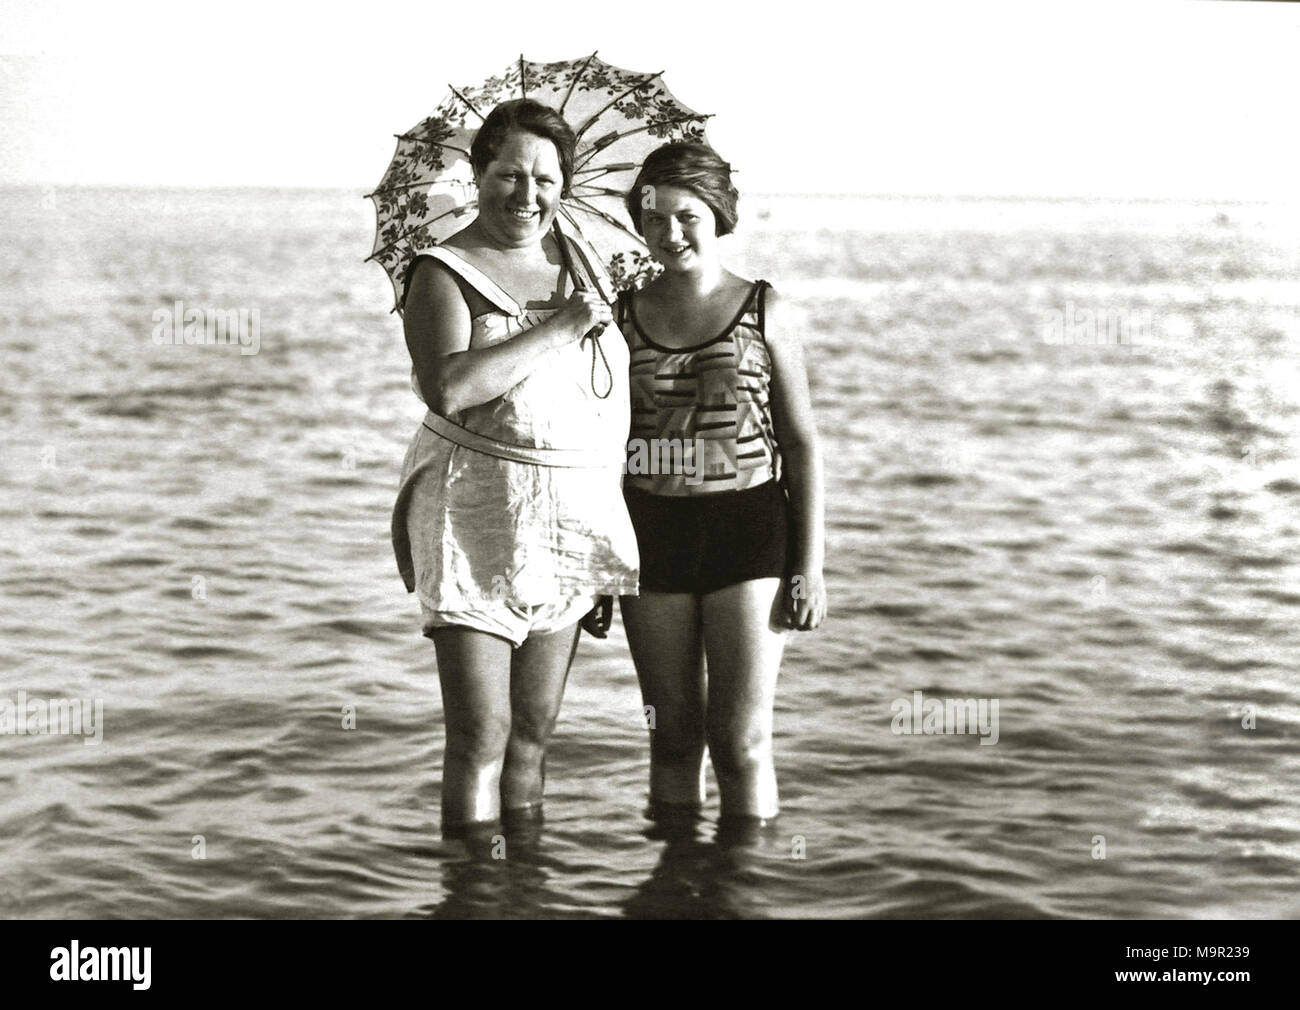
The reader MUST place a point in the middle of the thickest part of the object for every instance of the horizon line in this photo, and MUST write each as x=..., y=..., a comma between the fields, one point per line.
x=842, y=195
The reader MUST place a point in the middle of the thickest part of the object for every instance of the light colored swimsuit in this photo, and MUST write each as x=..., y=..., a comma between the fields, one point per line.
x=510, y=518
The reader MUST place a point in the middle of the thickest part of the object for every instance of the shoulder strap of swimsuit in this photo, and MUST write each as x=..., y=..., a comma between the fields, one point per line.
x=620, y=308
x=762, y=321
x=472, y=276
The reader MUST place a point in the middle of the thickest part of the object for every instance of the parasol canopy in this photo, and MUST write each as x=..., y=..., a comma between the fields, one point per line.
x=619, y=116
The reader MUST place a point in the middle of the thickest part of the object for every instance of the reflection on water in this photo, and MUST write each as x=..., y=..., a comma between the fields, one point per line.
x=699, y=878
x=498, y=874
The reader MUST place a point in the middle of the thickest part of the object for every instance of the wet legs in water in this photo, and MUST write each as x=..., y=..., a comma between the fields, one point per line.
x=672, y=636
x=663, y=634
x=500, y=704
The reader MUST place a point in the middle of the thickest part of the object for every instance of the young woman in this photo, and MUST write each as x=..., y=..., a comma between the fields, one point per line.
x=730, y=531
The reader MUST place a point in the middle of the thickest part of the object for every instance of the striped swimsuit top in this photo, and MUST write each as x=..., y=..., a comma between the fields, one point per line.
x=701, y=415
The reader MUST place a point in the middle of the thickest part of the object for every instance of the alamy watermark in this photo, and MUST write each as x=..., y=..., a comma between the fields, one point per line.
x=197, y=327
x=1099, y=327
x=75, y=963
x=950, y=716
x=82, y=717
x=658, y=456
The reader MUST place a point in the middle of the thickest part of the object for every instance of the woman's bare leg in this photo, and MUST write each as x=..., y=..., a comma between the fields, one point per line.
x=744, y=650
x=474, y=670
x=663, y=634
x=539, y=669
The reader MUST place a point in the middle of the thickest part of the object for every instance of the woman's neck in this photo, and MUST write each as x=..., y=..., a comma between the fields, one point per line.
x=698, y=283
x=476, y=236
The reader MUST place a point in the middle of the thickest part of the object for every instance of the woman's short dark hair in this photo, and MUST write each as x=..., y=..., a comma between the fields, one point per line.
x=691, y=165
x=531, y=117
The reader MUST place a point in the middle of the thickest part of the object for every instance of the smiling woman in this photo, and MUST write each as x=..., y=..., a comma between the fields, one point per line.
x=523, y=164
x=733, y=557
x=510, y=520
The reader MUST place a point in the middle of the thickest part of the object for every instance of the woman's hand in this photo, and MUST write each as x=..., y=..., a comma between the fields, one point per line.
x=599, y=618
x=438, y=327
x=585, y=311
x=803, y=600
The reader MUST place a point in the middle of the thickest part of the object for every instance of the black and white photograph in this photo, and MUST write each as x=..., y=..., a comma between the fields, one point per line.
x=666, y=461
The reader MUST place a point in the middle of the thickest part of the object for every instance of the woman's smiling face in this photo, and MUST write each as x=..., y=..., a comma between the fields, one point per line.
x=680, y=229
x=519, y=191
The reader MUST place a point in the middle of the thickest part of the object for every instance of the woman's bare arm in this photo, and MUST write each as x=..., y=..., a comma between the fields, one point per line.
x=796, y=434
x=436, y=322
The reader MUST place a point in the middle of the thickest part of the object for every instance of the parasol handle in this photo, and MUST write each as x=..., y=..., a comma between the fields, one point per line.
x=593, y=334
x=579, y=281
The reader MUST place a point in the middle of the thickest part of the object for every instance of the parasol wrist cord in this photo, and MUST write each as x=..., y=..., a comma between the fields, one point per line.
x=594, y=336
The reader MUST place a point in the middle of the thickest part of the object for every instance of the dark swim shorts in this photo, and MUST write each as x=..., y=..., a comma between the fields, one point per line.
x=702, y=543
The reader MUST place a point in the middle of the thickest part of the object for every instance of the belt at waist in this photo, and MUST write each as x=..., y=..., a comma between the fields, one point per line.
x=467, y=439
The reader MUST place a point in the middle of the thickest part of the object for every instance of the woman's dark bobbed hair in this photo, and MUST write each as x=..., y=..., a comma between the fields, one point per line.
x=531, y=117
x=691, y=165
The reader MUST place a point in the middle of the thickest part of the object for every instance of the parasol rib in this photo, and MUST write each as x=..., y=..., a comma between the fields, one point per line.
x=429, y=140
x=523, y=77
x=574, y=83
x=622, y=166
x=648, y=79
x=468, y=104
x=600, y=191
x=609, y=219
x=423, y=224
x=640, y=129
x=591, y=182
x=426, y=183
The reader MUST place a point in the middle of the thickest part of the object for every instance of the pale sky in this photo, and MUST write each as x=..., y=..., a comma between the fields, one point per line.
x=1179, y=99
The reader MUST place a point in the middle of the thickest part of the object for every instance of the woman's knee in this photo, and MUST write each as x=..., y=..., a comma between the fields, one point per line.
x=480, y=742
x=532, y=728
x=676, y=748
x=739, y=750
x=678, y=745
